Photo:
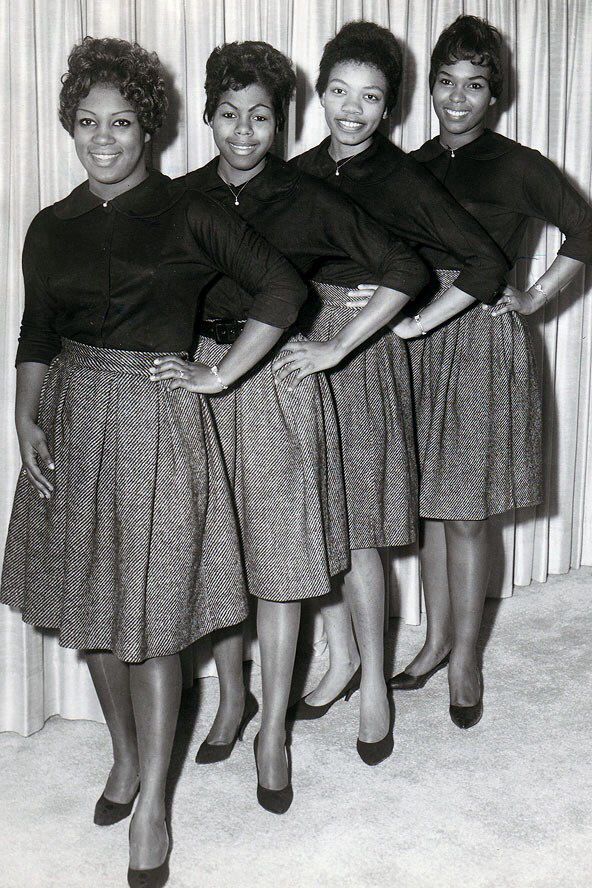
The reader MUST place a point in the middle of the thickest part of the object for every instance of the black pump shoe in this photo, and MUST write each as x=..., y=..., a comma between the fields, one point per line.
x=403, y=681
x=156, y=877
x=468, y=716
x=374, y=753
x=277, y=801
x=303, y=711
x=210, y=753
x=107, y=812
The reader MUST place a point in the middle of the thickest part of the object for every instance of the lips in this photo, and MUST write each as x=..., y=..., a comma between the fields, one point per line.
x=104, y=158
x=456, y=113
x=351, y=126
x=241, y=148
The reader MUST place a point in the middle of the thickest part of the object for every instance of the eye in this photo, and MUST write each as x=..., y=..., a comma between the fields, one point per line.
x=260, y=118
x=86, y=121
x=372, y=97
x=228, y=115
x=338, y=91
x=445, y=81
x=122, y=121
x=476, y=86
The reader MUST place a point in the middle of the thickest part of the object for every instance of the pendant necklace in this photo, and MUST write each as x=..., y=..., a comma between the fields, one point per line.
x=444, y=145
x=340, y=163
x=236, y=193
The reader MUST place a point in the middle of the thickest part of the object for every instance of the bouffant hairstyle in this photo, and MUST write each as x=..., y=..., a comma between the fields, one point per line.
x=238, y=65
x=470, y=39
x=136, y=73
x=368, y=44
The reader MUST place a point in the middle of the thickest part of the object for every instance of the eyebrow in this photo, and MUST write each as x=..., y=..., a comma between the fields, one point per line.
x=252, y=108
x=476, y=77
x=113, y=113
x=372, y=86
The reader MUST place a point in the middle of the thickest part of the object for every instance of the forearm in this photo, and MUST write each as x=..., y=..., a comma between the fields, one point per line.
x=252, y=345
x=558, y=275
x=381, y=308
x=29, y=381
x=449, y=304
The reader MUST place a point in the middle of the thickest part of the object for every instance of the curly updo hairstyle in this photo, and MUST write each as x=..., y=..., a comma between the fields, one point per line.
x=470, y=39
x=136, y=73
x=366, y=44
x=238, y=65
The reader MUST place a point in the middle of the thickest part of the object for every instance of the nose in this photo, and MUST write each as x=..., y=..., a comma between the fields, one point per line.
x=243, y=126
x=456, y=94
x=352, y=104
x=103, y=136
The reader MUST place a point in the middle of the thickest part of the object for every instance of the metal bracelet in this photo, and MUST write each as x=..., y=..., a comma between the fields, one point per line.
x=422, y=330
x=540, y=290
x=217, y=377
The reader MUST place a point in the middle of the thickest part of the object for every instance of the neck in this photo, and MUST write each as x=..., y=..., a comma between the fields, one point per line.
x=457, y=140
x=110, y=190
x=232, y=176
x=340, y=152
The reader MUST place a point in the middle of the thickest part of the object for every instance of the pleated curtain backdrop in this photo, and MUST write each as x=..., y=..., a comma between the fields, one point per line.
x=548, y=107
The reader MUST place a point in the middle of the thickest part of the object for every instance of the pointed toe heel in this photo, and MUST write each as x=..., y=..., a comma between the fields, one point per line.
x=466, y=717
x=211, y=753
x=276, y=801
x=156, y=877
x=107, y=812
x=404, y=681
x=303, y=711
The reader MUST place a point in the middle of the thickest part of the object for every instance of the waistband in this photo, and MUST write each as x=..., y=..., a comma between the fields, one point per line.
x=224, y=331
x=113, y=359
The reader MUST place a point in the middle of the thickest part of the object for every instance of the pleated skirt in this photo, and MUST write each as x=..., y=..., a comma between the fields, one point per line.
x=478, y=411
x=283, y=458
x=137, y=551
x=372, y=392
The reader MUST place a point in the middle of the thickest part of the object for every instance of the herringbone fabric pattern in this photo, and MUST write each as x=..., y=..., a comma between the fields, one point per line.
x=137, y=551
x=478, y=412
x=372, y=394
x=283, y=456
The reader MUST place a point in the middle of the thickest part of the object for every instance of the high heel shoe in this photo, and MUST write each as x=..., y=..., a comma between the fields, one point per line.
x=303, y=711
x=468, y=716
x=376, y=752
x=403, y=681
x=277, y=801
x=156, y=877
x=107, y=812
x=210, y=753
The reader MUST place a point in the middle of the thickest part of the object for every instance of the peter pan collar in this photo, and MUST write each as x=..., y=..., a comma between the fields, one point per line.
x=152, y=197
x=488, y=146
x=372, y=165
x=276, y=181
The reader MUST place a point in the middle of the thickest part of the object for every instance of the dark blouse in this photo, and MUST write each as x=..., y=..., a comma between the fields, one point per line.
x=129, y=273
x=504, y=184
x=408, y=201
x=325, y=236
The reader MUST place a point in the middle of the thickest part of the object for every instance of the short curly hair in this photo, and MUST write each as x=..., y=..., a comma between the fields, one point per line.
x=367, y=44
x=470, y=39
x=136, y=73
x=238, y=65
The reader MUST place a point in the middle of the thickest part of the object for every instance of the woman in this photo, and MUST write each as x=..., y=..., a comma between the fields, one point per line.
x=122, y=535
x=479, y=418
x=359, y=77
x=248, y=87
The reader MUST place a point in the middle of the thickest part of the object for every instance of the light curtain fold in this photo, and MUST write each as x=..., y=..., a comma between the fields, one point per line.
x=549, y=45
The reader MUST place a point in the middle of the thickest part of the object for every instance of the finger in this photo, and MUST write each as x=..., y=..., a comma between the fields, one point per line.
x=170, y=373
x=502, y=309
x=357, y=303
x=167, y=363
x=39, y=482
x=44, y=454
x=281, y=361
x=298, y=377
x=286, y=371
x=177, y=383
x=509, y=290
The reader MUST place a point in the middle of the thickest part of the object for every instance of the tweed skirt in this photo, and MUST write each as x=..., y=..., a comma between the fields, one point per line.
x=284, y=460
x=478, y=412
x=137, y=551
x=372, y=392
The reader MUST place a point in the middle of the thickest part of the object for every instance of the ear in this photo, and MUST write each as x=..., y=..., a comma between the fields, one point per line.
x=492, y=100
x=385, y=114
x=147, y=137
x=322, y=100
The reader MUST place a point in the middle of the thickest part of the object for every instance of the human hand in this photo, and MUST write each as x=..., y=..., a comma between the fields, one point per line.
x=34, y=452
x=406, y=328
x=361, y=296
x=522, y=301
x=193, y=377
x=304, y=358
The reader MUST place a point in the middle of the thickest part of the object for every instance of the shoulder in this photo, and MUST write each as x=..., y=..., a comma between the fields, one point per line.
x=308, y=161
x=201, y=179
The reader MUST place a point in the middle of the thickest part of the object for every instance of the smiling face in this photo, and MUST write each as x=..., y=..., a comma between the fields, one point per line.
x=244, y=128
x=109, y=141
x=461, y=97
x=354, y=103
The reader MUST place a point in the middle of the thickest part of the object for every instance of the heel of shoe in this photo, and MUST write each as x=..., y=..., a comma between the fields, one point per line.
x=354, y=684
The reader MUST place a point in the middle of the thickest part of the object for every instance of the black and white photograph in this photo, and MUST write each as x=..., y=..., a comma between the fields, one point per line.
x=296, y=464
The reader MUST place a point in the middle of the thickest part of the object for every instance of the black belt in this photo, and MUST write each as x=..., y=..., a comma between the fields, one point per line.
x=223, y=330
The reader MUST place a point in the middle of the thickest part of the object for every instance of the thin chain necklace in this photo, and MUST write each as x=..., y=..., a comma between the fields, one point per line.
x=342, y=163
x=236, y=193
x=448, y=148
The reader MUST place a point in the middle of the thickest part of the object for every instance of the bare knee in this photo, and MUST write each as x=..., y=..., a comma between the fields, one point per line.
x=466, y=530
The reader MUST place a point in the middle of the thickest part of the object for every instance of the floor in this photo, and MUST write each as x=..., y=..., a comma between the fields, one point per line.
x=506, y=804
